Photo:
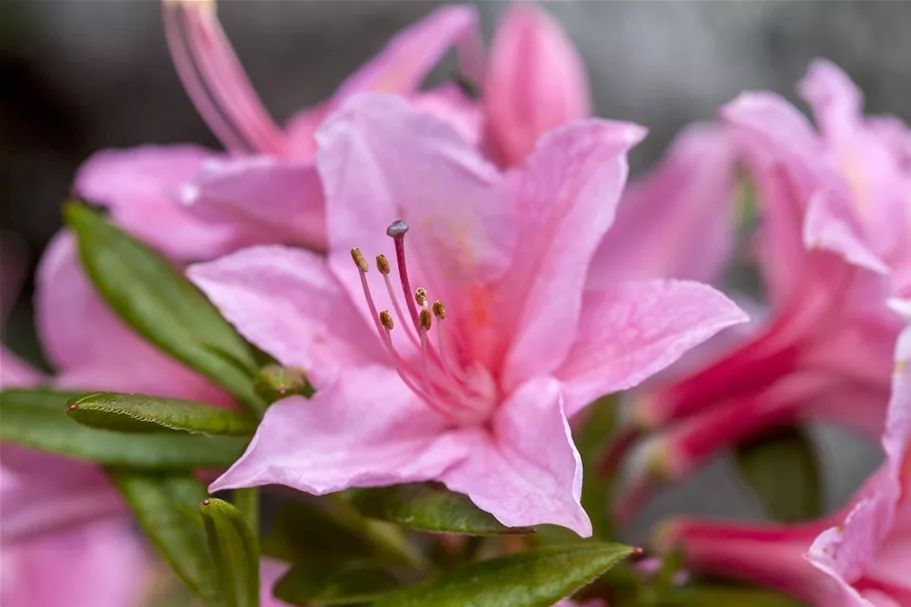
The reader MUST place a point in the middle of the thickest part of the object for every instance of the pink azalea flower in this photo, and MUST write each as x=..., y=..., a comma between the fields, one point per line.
x=857, y=558
x=835, y=205
x=474, y=393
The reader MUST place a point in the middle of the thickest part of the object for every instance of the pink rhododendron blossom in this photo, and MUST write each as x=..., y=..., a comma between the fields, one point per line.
x=835, y=207
x=860, y=557
x=473, y=393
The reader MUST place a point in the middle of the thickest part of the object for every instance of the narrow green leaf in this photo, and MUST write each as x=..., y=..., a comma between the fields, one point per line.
x=247, y=501
x=161, y=503
x=703, y=595
x=37, y=419
x=537, y=578
x=428, y=507
x=783, y=472
x=142, y=413
x=150, y=295
x=234, y=550
x=321, y=582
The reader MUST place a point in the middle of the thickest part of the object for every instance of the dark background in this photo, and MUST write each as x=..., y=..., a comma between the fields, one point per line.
x=78, y=76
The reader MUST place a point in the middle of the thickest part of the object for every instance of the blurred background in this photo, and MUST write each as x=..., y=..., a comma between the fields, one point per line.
x=79, y=76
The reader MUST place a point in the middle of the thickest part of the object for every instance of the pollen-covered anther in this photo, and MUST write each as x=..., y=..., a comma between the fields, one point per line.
x=386, y=320
x=359, y=259
x=382, y=264
x=420, y=296
x=439, y=310
x=425, y=319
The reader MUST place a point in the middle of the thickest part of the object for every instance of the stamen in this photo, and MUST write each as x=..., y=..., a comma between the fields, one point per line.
x=382, y=264
x=397, y=230
x=215, y=81
x=386, y=320
x=439, y=310
x=425, y=319
x=359, y=259
x=420, y=296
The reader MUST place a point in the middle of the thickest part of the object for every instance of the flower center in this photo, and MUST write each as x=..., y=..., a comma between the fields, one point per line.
x=463, y=394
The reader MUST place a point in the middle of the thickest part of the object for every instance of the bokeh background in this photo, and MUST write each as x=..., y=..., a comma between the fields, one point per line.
x=78, y=76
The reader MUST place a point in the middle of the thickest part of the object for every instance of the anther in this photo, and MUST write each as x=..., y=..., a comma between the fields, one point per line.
x=420, y=296
x=359, y=259
x=439, y=310
x=425, y=319
x=397, y=228
x=382, y=264
x=386, y=320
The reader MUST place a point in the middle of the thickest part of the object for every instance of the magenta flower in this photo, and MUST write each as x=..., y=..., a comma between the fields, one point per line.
x=859, y=557
x=475, y=392
x=835, y=206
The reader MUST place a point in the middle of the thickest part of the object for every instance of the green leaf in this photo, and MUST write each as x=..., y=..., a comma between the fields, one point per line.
x=783, y=472
x=142, y=413
x=165, y=507
x=234, y=550
x=429, y=507
x=158, y=301
x=537, y=578
x=703, y=595
x=37, y=419
x=321, y=582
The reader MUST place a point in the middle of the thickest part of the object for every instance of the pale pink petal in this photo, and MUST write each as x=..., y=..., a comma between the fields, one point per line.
x=407, y=59
x=449, y=103
x=836, y=101
x=536, y=82
x=676, y=222
x=367, y=429
x=630, y=331
x=98, y=565
x=831, y=224
x=14, y=372
x=41, y=493
x=270, y=571
x=288, y=303
x=260, y=199
x=786, y=161
x=91, y=347
x=526, y=471
x=566, y=197
x=140, y=187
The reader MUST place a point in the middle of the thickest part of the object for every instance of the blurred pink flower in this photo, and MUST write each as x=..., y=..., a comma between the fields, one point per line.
x=835, y=207
x=860, y=557
x=474, y=394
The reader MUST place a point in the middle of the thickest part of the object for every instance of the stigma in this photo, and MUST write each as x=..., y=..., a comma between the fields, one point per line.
x=430, y=366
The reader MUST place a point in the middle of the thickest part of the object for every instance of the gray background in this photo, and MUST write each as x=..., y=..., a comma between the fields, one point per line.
x=78, y=76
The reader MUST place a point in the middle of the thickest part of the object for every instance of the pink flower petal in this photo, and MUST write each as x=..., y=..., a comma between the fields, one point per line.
x=99, y=565
x=260, y=199
x=287, y=302
x=404, y=63
x=527, y=470
x=367, y=429
x=140, y=186
x=677, y=221
x=566, y=197
x=91, y=347
x=631, y=331
x=14, y=372
x=830, y=224
x=536, y=82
